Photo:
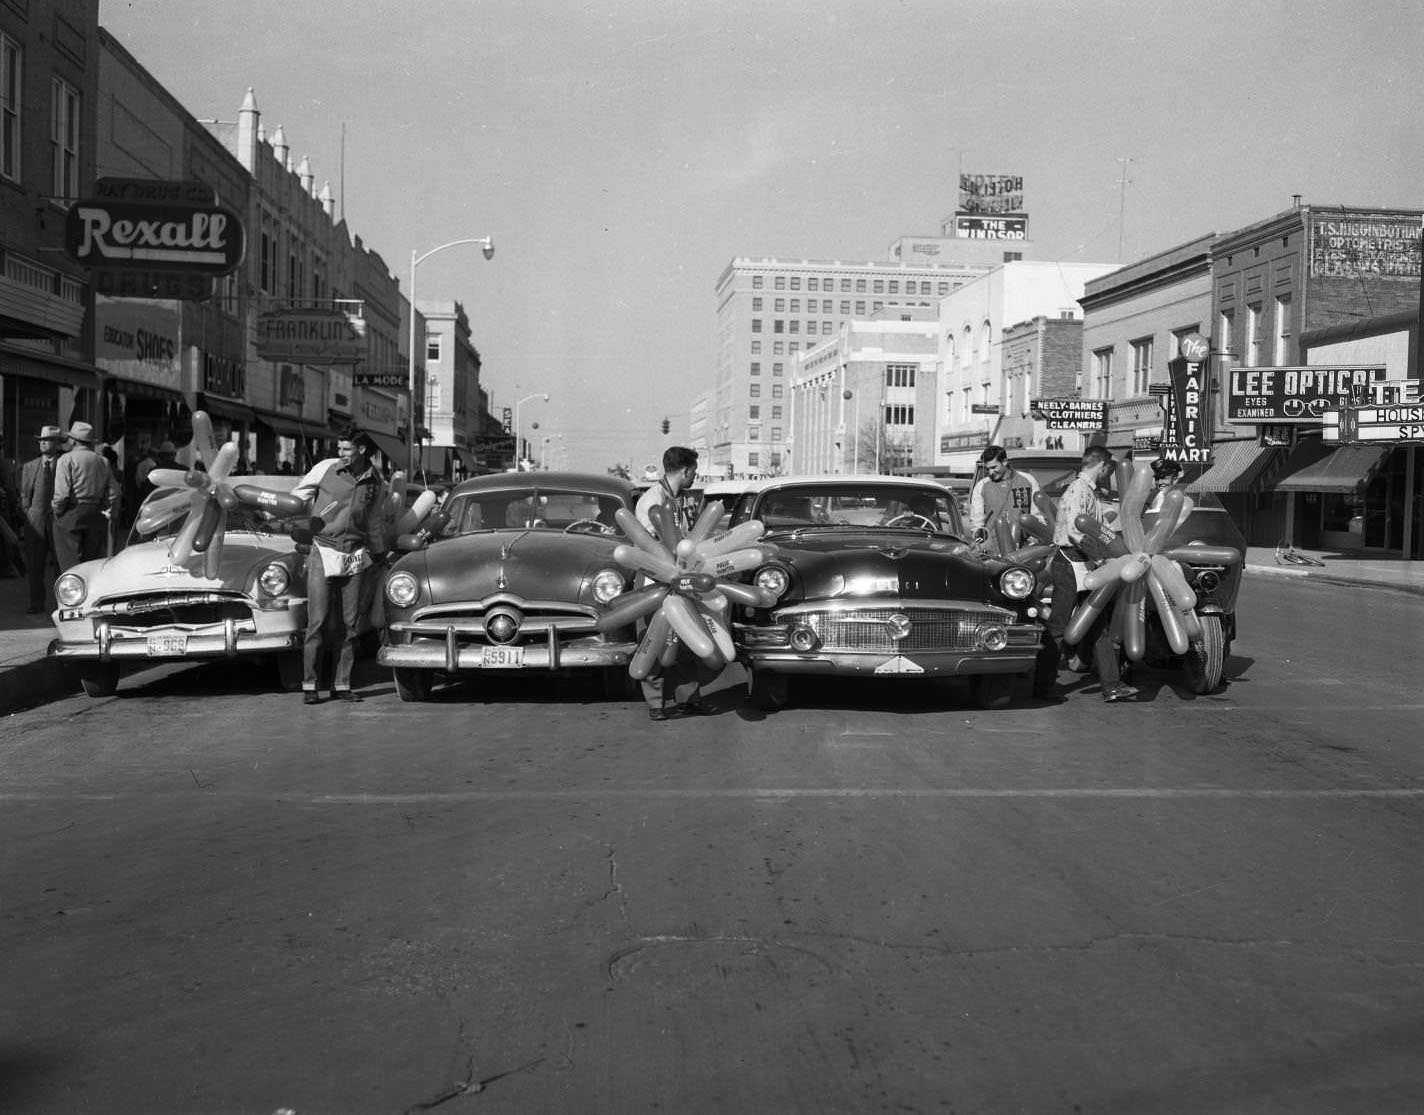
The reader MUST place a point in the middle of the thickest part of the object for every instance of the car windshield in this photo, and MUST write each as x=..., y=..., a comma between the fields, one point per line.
x=858, y=505
x=239, y=518
x=531, y=508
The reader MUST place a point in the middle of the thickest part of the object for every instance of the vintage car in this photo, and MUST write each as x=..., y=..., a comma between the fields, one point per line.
x=725, y=492
x=517, y=571
x=141, y=606
x=875, y=579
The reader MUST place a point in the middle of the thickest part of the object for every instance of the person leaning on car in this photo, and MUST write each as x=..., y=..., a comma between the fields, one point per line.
x=1001, y=493
x=82, y=483
x=347, y=499
x=1080, y=498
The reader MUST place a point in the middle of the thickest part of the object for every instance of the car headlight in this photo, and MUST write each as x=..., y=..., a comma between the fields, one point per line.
x=402, y=590
x=274, y=580
x=607, y=584
x=773, y=578
x=1016, y=583
x=69, y=590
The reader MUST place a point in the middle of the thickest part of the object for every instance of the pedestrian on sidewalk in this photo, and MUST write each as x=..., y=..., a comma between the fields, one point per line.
x=36, y=504
x=12, y=560
x=1001, y=494
x=347, y=499
x=81, y=496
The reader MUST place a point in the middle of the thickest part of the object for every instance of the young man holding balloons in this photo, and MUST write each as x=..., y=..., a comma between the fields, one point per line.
x=1079, y=499
x=348, y=501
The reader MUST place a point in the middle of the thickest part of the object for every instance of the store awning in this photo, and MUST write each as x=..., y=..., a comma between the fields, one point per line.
x=468, y=460
x=1235, y=466
x=20, y=362
x=396, y=451
x=283, y=424
x=223, y=408
x=1341, y=470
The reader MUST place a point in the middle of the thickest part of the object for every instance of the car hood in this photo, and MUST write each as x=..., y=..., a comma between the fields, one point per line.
x=534, y=564
x=146, y=566
x=883, y=563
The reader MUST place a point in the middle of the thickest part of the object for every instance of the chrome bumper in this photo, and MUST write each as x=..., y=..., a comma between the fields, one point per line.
x=912, y=665
x=451, y=655
x=230, y=641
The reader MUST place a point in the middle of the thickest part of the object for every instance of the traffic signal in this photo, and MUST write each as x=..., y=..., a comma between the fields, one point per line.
x=666, y=425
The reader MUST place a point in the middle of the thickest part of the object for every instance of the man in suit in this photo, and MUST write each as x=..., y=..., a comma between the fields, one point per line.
x=82, y=483
x=36, y=496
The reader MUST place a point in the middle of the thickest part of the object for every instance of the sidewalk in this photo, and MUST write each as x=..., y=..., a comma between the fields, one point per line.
x=28, y=679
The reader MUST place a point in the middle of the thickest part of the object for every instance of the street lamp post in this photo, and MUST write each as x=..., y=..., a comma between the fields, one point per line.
x=486, y=244
x=518, y=429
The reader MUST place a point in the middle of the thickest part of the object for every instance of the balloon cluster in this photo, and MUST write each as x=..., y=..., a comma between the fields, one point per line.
x=692, y=599
x=206, y=497
x=1137, y=566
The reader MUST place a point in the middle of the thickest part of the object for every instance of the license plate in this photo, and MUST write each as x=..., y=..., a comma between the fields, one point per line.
x=164, y=646
x=899, y=665
x=503, y=658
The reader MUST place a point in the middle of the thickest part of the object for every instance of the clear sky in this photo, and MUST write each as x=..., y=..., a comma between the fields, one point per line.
x=622, y=152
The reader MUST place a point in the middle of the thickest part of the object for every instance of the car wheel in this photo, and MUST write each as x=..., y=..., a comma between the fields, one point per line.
x=618, y=686
x=992, y=691
x=767, y=690
x=1205, y=660
x=413, y=685
x=99, y=679
x=289, y=671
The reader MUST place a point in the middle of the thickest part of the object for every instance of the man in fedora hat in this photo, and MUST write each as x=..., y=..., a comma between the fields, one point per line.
x=36, y=503
x=81, y=495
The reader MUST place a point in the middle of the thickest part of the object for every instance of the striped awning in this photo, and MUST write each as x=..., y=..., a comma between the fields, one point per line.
x=1236, y=466
x=1341, y=470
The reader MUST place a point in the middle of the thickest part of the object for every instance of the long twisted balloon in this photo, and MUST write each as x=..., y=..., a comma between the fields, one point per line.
x=1137, y=563
x=690, y=603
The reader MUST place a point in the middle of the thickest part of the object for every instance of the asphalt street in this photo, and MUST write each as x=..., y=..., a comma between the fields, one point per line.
x=519, y=898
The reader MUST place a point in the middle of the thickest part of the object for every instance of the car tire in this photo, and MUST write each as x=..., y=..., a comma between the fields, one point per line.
x=413, y=685
x=289, y=671
x=1205, y=660
x=992, y=691
x=99, y=679
x=618, y=686
x=767, y=690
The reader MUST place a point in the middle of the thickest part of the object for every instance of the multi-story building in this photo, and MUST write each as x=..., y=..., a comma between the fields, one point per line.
x=770, y=311
x=856, y=401
x=1042, y=360
x=49, y=70
x=977, y=409
x=452, y=392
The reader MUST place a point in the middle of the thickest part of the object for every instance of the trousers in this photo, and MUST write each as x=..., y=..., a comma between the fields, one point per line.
x=329, y=600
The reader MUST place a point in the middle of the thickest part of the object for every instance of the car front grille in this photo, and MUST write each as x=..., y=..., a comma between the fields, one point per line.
x=535, y=621
x=931, y=629
x=167, y=609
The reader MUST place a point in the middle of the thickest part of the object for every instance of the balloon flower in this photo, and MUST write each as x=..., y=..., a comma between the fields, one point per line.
x=1136, y=566
x=206, y=497
x=692, y=596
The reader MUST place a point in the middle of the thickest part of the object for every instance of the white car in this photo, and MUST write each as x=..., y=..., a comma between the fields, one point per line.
x=142, y=606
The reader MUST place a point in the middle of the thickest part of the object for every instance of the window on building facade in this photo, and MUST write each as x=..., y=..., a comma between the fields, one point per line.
x=267, y=262
x=876, y=307
x=795, y=282
x=11, y=82
x=1102, y=373
x=1225, y=328
x=878, y=287
x=775, y=413
x=813, y=284
x=756, y=367
x=776, y=390
x=796, y=305
x=756, y=325
x=795, y=326
x=753, y=460
x=777, y=369
x=845, y=286
x=895, y=287
x=827, y=328
x=756, y=305
x=778, y=348
x=756, y=282
x=1141, y=365
x=779, y=306
x=776, y=433
x=1281, y=355
x=753, y=433
x=826, y=306
x=1253, y=336
x=756, y=348
x=899, y=416
x=943, y=288
x=776, y=460
x=753, y=413
x=780, y=283
x=860, y=286
x=64, y=137
x=900, y=375
x=860, y=308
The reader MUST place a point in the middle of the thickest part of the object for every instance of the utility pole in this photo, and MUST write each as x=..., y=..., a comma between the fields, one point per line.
x=1122, y=201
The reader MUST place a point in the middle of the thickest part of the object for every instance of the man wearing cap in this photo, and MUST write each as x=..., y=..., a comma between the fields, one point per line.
x=36, y=498
x=81, y=495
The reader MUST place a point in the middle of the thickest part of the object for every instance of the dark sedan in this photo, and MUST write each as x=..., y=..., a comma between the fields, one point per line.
x=518, y=570
x=875, y=579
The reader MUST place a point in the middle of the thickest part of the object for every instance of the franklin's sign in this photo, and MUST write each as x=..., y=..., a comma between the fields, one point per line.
x=309, y=337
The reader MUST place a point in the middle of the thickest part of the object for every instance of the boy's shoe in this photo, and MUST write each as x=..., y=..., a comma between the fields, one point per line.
x=1119, y=693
